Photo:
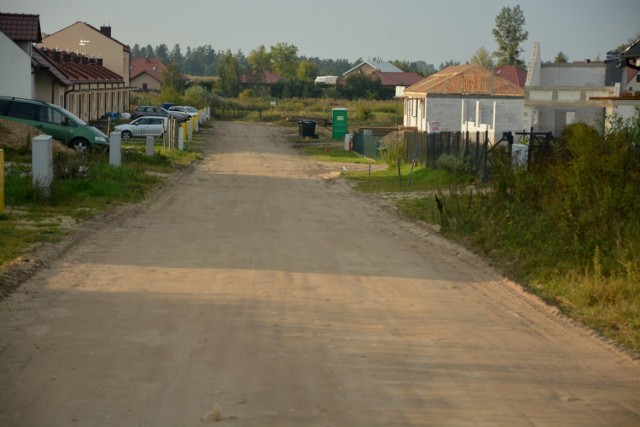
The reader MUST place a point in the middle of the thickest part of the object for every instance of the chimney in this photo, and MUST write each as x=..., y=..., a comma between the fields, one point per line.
x=100, y=62
x=56, y=56
x=66, y=57
x=85, y=59
x=76, y=59
x=106, y=30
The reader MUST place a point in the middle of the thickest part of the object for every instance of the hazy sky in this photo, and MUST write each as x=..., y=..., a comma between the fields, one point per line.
x=434, y=31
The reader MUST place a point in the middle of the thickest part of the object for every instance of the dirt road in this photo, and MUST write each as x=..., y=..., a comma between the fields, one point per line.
x=257, y=291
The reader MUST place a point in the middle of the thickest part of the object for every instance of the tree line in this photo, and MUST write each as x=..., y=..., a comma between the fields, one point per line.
x=237, y=72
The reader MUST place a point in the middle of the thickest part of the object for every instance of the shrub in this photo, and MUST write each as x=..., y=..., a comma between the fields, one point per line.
x=454, y=164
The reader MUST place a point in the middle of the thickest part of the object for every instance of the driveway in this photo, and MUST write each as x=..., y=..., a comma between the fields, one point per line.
x=259, y=290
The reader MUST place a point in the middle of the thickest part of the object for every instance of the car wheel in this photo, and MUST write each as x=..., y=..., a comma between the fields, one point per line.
x=80, y=145
x=126, y=134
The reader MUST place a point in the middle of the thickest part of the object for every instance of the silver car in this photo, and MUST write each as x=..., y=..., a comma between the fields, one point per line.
x=191, y=111
x=143, y=127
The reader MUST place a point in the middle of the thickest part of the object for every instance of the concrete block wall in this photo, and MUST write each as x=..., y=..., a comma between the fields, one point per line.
x=444, y=110
x=573, y=74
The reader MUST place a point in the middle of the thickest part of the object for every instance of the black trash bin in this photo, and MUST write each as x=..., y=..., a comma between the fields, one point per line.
x=307, y=129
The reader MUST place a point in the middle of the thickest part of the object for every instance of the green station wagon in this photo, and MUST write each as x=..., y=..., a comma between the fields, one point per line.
x=53, y=120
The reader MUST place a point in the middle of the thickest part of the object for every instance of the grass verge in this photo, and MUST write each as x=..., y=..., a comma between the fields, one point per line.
x=83, y=185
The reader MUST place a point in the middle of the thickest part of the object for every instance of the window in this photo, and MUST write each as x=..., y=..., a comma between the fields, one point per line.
x=4, y=104
x=49, y=115
x=22, y=110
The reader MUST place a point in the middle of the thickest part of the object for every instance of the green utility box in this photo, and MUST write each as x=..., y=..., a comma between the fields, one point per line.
x=339, y=127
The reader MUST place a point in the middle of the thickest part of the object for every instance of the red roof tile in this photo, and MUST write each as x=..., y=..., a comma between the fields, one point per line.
x=152, y=67
x=81, y=69
x=396, y=79
x=20, y=27
x=515, y=75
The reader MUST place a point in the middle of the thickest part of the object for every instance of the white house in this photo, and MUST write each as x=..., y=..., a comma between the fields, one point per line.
x=464, y=98
x=18, y=32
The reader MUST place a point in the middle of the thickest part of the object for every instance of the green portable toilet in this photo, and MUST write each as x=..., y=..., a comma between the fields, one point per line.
x=339, y=127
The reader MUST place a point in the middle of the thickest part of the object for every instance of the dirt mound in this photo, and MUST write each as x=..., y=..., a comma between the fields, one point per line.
x=17, y=136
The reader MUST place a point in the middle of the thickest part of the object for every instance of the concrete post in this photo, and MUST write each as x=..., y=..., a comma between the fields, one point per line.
x=181, y=139
x=115, y=149
x=196, y=122
x=150, y=147
x=42, y=163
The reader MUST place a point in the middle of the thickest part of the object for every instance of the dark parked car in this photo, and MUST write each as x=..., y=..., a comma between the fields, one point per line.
x=151, y=111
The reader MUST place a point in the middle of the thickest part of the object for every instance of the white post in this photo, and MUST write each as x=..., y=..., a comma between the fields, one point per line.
x=42, y=163
x=181, y=139
x=150, y=147
x=115, y=149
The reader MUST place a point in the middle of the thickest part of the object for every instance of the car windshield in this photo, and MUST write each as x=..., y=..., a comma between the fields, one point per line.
x=191, y=109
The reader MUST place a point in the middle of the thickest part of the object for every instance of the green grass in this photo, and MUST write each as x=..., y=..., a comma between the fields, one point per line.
x=422, y=179
x=83, y=186
x=334, y=153
x=568, y=230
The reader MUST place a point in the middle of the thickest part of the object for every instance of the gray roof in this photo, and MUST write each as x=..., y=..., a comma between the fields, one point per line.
x=383, y=67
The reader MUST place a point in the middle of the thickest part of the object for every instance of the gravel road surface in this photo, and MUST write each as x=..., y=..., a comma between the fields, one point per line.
x=258, y=290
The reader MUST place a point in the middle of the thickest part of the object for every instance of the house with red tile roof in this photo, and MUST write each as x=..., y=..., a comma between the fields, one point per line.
x=18, y=33
x=67, y=77
x=388, y=74
x=146, y=74
x=251, y=81
x=464, y=97
x=87, y=40
x=81, y=84
x=513, y=73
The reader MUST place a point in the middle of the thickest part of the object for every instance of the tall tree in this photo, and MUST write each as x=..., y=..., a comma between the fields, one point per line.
x=176, y=55
x=483, y=58
x=149, y=52
x=285, y=60
x=162, y=53
x=509, y=34
x=260, y=62
x=560, y=58
x=229, y=74
x=135, y=52
x=307, y=71
x=172, y=79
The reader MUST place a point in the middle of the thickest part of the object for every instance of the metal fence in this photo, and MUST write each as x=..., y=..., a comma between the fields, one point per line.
x=366, y=144
x=426, y=148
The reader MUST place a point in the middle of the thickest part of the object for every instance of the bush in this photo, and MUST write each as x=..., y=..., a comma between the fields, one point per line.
x=364, y=112
x=454, y=164
x=569, y=228
x=392, y=152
